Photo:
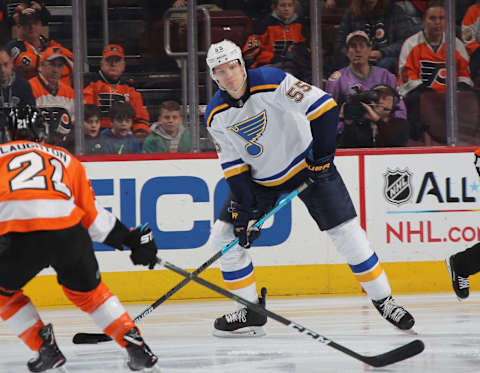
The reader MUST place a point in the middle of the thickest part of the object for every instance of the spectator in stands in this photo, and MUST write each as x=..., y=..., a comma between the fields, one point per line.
x=7, y=19
x=375, y=125
x=275, y=37
x=461, y=7
x=385, y=23
x=118, y=138
x=414, y=10
x=471, y=38
x=168, y=134
x=53, y=97
x=30, y=44
x=109, y=86
x=94, y=144
x=14, y=89
x=422, y=65
x=365, y=113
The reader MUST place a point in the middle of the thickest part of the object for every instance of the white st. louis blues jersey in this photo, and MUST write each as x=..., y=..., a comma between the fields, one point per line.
x=271, y=133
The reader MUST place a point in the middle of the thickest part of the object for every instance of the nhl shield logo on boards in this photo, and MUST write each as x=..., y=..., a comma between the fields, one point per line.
x=398, y=188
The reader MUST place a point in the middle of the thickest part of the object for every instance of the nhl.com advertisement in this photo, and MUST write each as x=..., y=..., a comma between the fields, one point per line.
x=430, y=202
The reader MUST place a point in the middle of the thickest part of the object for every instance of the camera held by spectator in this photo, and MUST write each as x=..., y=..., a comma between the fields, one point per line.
x=353, y=109
x=369, y=119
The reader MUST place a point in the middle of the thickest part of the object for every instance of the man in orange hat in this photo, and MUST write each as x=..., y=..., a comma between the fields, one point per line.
x=53, y=97
x=31, y=43
x=108, y=86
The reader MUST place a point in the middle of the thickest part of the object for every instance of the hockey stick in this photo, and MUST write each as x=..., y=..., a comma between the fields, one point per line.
x=92, y=338
x=401, y=353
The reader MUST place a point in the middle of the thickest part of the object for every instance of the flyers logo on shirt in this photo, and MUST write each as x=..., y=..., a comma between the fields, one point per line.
x=433, y=72
x=250, y=130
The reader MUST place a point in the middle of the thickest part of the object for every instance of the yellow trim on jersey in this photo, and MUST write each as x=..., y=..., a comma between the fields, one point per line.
x=295, y=170
x=370, y=276
x=236, y=171
x=263, y=86
x=235, y=285
x=220, y=107
x=322, y=109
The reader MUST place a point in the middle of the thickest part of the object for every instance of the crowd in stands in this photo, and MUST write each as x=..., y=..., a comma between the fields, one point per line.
x=387, y=55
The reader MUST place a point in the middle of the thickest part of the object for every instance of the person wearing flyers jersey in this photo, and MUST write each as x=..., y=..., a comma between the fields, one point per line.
x=108, y=86
x=30, y=44
x=49, y=217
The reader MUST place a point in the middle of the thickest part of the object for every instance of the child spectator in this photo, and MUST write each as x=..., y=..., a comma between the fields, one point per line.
x=94, y=144
x=119, y=139
x=275, y=37
x=168, y=134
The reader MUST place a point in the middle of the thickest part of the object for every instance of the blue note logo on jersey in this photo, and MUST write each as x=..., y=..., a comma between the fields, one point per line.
x=250, y=130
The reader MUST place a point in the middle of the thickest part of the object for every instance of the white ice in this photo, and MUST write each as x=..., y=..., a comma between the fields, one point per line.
x=180, y=334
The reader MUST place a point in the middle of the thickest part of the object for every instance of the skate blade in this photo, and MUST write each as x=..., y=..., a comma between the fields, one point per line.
x=154, y=369
x=411, y=331
x=252, y=331
x=61, y=369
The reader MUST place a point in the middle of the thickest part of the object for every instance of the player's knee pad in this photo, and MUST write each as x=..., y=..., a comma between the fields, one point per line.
x=88, y=301
x=351, y=241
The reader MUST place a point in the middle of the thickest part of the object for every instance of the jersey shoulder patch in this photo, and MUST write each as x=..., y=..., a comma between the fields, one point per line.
x=335, y=76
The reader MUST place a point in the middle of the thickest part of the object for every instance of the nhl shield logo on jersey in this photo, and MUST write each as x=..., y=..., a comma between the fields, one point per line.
x=398, y=188
x=250, y=130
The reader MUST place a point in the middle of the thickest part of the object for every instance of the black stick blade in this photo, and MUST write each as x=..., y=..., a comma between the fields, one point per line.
x=90, y=338
x=401, y=353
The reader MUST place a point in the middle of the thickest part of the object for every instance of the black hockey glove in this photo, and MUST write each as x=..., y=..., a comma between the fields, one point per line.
x=140, y=241
x=320, y=168
x=243, y=224
x=4, y=243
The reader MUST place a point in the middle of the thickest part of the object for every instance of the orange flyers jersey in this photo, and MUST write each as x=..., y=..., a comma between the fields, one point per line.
x=103, y=94
x=27, y=58
x=419, y=63
x=44, y=187
x=471, y=28
x=55, y=105
x=272, y=40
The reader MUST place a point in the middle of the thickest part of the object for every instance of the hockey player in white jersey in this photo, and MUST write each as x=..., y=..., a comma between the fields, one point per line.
x=272, y=132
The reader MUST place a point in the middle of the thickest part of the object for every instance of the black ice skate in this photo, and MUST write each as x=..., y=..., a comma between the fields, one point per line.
x=49, y=356
x=242, y=323
x=139, y=354
x=394, y=313
x=461, y=285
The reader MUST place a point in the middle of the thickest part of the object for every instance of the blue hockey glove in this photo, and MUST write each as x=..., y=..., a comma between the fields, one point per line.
x=140, y=241
x=243, y=224
x=320, y=168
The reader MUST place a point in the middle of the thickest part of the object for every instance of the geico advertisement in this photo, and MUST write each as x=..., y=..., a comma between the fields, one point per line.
x=425, y=205
x=181, y=199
